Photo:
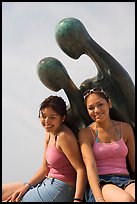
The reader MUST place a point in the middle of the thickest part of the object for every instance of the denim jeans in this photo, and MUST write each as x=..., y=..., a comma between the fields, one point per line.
x=50, y=190
x=119, y=180
x=89, y=197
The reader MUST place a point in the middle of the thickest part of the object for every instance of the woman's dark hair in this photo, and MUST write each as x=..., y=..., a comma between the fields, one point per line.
x=55, y=102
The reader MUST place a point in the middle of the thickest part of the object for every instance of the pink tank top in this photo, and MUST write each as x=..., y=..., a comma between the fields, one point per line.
x=111, y=157
x=59, y=166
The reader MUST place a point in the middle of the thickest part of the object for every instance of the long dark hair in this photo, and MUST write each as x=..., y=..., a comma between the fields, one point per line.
x=55, y=102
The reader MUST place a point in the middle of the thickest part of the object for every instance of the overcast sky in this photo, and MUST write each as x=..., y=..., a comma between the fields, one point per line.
x=28, y=35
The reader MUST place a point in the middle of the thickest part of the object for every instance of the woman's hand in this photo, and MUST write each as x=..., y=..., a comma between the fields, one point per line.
x=17, y=195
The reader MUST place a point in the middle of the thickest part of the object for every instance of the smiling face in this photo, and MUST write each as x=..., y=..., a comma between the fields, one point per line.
x=98, y=107
x=51, y=120
x=52, y=113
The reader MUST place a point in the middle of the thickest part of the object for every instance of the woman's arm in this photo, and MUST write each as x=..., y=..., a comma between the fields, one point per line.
x=129, y=137
x=86, y=140
x=69, y=145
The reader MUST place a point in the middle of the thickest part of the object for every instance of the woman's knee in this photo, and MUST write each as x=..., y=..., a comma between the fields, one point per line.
x=110, y=191
x=127, y=198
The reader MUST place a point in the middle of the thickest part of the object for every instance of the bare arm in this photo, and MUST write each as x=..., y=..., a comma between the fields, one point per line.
x=70, y=147
x=86, y=141
x=130, y=141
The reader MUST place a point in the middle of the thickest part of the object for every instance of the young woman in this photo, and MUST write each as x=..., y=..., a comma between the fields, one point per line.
x=62, y=175
x=106, y=145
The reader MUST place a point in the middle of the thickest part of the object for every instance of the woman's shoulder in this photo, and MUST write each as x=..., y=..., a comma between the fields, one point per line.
x=84, y=130
x=123, y=123
x=125, y=129
x=66, y=137
x=87, y=134
x=66, y=133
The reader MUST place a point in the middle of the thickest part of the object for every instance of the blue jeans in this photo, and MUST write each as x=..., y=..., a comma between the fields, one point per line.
x=119, y=180
x=89, y=195
x=50, y=190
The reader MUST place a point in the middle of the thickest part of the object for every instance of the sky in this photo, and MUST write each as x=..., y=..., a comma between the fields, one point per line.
x=28, y=35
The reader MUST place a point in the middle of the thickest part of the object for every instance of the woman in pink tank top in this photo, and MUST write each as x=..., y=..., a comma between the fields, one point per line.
x=107, y=145
x=62, y=175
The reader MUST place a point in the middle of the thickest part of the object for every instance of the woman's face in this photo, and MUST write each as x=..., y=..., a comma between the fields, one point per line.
x=51, y=120
x=98, y=107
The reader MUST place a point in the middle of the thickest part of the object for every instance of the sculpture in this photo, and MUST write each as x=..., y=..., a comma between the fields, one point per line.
x=53, y=74
x=74, y=40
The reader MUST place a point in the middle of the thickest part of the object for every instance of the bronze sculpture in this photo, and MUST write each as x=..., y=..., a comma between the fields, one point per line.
x=74, y=40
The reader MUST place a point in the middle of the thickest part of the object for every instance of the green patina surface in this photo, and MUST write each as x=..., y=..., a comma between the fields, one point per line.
x=74, y=40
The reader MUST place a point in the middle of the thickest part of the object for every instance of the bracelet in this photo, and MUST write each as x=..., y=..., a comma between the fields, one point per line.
x=99, y=199
x=78, y=199
x=28, y=184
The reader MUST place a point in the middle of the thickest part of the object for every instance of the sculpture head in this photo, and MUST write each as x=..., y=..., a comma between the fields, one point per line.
x=70, y=34
x=51, y=72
